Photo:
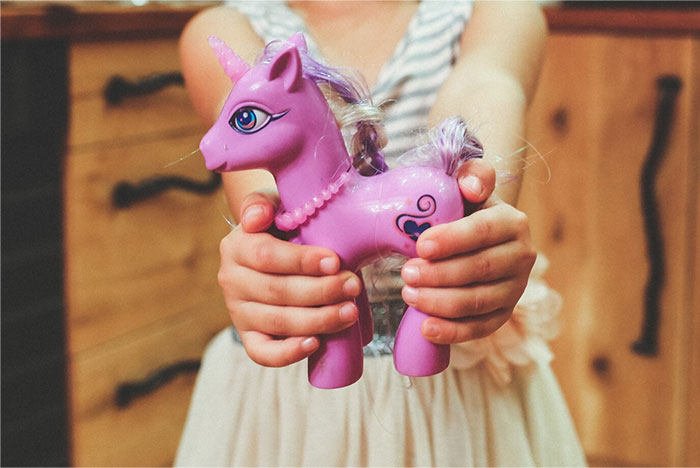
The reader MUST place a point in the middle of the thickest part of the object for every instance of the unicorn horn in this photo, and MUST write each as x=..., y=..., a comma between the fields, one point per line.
x=234, y=66
x=298, y=40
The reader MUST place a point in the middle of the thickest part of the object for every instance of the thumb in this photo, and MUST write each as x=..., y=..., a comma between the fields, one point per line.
x=477, y=180
x=258, y=211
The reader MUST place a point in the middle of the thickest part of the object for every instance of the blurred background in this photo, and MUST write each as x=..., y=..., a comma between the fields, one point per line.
x=110, y=231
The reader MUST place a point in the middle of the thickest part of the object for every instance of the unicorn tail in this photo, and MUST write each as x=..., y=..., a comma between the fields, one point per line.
x=449, y=145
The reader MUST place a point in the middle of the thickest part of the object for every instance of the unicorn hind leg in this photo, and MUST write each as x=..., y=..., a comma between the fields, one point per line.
x=415, y=356
x=365, y=314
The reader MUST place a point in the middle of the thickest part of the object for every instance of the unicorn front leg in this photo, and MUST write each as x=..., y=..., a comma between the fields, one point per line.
x=338, y=361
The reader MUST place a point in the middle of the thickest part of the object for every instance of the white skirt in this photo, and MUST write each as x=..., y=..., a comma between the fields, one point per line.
x=498, y=404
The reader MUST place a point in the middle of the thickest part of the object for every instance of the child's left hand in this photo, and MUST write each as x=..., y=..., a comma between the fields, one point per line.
x=473, y=270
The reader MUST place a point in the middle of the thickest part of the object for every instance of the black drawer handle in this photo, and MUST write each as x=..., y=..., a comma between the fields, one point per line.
x=127, y=391
x=647, y=344
x=118, y=88
x=126, y=194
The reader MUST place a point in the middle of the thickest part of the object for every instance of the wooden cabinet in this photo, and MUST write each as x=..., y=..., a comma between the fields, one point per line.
x=141, y=280
x=592, y=124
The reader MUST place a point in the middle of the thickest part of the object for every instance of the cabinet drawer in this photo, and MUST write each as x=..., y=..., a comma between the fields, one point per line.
x=126, y=268
x=168, y=113
x=93, y=120
x=147, y=431
x=93, y=63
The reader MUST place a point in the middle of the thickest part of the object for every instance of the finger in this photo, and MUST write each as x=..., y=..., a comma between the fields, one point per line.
x=442, y=331
x=496, y=263
x=477, y=179
x=271, y=352
x=258, y=211
x=468, y=301
x=263, y=252
x=484, y=228
x=296, y=290
x=294, y=321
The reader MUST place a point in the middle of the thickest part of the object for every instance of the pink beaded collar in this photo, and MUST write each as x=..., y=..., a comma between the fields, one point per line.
x=290, y=220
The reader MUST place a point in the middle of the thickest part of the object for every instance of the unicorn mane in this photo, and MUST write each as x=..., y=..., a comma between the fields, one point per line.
x=448, y=146
x=349, y=99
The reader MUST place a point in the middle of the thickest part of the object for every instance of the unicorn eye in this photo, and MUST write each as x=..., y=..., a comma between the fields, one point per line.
x=249, y=119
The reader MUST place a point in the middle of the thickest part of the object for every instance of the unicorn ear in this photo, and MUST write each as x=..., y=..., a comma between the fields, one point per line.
x=287, y=66
x=299, y=40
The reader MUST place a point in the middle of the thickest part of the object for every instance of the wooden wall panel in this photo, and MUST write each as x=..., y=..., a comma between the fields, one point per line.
x=593, y=119
x=561, y=127
x=692, y=416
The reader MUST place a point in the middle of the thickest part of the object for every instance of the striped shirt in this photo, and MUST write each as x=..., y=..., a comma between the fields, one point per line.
x=409, y=81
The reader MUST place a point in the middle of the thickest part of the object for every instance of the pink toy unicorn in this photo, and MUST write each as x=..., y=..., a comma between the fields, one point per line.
x=277, y=118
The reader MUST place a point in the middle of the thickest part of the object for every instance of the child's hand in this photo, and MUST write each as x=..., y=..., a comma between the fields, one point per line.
x=474, y=269
x=279, y=294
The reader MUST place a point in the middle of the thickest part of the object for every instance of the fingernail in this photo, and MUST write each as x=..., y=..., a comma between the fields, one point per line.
x=472, y=184
x=411, y=273
x=329, y=265
x=309, y=344
x=352, y=287
x=431, y=329
x=252, y=212
x=427, y=248
x=348, y=313
x=410, y=295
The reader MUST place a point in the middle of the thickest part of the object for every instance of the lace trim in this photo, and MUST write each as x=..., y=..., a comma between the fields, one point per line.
x=522, y=340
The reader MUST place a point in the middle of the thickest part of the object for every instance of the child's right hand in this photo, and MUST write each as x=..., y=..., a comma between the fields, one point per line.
x=280, y=295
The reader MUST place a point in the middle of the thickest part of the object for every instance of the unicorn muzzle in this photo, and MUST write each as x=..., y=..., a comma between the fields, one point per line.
x=214, y=152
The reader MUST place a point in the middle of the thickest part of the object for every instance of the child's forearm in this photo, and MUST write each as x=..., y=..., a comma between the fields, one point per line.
x=494, y=80
x=496, y=114
x=208, y=86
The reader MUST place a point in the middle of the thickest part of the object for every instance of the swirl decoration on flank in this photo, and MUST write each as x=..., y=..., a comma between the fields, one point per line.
x=427, y=205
